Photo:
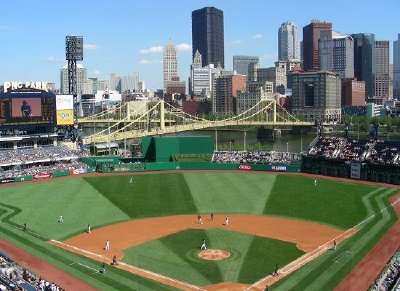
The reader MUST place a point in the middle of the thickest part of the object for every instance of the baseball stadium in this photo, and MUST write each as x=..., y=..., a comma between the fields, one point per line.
x=325, y=219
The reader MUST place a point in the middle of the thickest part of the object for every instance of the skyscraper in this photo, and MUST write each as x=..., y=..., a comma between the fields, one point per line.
x=343, y=56
x=396, y=67
x=81, y=77
x=381, y=82
x=241, y=64
x=364, y=61
x=288, y=42
x=311, y=35
x=336, y=53
x=208, y=35
x=170, y=64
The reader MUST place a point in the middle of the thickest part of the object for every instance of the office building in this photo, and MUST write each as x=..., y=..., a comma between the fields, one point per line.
x=353, y=92
x=381, y=83
x=208, y=36
x=343, y=56
x=202, y=79
x=364, y=61
x=311, y=36
x=396, y=68
x=288, y=42
x=226, y=90
x=115, y=82
x=246, y=100
x=130, y=83
x=241, y=64
x=316, y=95
x=81, y=77
x=276, y=75
x=170, y=64
x=336, y=53
x=175, y=86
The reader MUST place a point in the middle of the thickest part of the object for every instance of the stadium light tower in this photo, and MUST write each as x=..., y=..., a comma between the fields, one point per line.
x=73, y=52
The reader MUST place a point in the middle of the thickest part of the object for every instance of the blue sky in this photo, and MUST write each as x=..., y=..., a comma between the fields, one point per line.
x=123, y=36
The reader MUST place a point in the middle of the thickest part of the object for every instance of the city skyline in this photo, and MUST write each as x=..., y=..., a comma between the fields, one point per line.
x=130, y=36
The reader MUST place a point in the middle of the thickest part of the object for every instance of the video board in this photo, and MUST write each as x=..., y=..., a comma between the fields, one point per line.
x=24, y=108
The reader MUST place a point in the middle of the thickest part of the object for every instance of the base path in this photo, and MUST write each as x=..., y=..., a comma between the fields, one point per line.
x=43, y=269
x=308, y=237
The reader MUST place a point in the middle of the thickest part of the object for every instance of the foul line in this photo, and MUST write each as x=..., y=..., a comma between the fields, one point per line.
x=294, y=265
x=29, y=231
x=337, y=258
x=86, y=266
x=373, y=215
x=137, y=269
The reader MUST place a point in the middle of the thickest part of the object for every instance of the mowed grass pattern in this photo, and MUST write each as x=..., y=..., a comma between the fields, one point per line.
x=329, y=202
x=229, y=192
x=109, y=199
x=147, y=195
x=42, y=204
x=176, y=256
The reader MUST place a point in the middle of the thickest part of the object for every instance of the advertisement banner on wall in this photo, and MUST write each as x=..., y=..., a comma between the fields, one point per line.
x=65, y=109
x=245, y=167
x=65, y=117
x=7, y=180
x=278, y=168
x=355, y=171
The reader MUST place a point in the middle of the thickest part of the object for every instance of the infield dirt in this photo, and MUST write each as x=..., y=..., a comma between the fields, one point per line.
x=308, y=237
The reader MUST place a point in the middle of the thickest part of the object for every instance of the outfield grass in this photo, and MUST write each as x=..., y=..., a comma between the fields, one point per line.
x=77, y=201
x=109, y=199
x=330, y=202
x=325, y=272
x=147, y=195
x=176, y=256
x=229, y=192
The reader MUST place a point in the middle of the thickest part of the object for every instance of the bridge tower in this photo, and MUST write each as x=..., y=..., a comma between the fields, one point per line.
x=162, y=112
x=128, y=111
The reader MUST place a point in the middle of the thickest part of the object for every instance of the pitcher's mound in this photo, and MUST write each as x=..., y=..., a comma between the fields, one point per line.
x=214, y=255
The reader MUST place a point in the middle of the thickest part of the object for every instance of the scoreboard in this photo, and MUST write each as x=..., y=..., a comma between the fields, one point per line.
x=27, y=106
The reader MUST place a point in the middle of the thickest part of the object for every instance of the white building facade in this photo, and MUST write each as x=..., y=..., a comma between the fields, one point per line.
x=170, y=63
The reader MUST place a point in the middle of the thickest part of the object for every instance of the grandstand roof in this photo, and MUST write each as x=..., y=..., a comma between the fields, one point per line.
x=106, y=145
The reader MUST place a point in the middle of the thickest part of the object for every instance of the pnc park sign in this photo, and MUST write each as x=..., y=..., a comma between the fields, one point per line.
x=15, y=85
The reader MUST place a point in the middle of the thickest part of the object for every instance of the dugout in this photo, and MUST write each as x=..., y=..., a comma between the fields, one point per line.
x=161, y=149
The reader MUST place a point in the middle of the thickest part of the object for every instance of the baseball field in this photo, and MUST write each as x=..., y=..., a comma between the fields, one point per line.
x=284, y=222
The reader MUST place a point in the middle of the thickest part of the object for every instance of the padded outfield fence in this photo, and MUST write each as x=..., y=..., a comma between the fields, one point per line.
x=167, y=166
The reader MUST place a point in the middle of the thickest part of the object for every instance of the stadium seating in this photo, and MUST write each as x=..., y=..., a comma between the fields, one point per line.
x=340, y=148
x=15, y=277
x=256, y=157
x=42, y=160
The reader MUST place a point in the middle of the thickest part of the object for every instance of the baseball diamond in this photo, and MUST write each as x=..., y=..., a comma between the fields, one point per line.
x=154, y=233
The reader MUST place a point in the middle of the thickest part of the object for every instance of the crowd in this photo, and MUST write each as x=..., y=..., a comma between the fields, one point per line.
x=390, y=275
x=32, y=155
x=38, y=169
x=384, y=153
x=381, y=152
x=255, y=157
x=15, y=277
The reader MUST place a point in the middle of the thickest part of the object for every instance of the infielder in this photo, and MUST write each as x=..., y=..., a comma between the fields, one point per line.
x=107, y=245
x=227, y=220
x=203, y=245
